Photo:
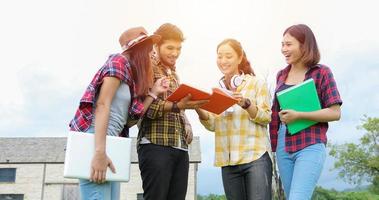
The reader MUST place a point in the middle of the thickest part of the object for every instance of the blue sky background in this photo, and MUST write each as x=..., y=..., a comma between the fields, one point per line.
x=51, y=49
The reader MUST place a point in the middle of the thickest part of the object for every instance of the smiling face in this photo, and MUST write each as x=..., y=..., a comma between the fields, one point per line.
x=228, y=60
x=291, y=49
x=169, y=52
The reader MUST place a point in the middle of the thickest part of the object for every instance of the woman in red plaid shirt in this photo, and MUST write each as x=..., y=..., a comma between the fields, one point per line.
x=301, y=156
x=120, y=90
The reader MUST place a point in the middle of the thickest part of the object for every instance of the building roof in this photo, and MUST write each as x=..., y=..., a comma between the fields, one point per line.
x=52, y=150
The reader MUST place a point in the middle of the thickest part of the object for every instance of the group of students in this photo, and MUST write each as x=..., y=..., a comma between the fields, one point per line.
x=132, y=86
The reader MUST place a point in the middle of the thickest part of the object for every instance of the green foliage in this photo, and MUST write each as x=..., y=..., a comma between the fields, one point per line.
x=375, y=185
x=211, y=197
x=360, y=162
x=324, y=194
x=319, y=194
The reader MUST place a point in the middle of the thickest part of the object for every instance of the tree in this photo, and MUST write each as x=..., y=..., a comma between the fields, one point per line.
x=360, y=162
x=211, y=197
x=325, y=194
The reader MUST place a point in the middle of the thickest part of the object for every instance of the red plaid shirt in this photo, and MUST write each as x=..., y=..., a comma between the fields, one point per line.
x=116, y=66
x=328, y=95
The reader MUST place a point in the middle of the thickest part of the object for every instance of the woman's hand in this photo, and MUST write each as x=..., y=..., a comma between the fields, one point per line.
x=100, y=162
x=288, y=116
x=239, y=97
x=160, y=86
x=241, y=100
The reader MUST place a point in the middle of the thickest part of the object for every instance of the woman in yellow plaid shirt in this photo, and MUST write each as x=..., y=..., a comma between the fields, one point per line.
x=242, y=144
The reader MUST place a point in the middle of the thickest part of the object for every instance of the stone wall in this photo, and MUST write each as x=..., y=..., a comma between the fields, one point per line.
x=30, y=181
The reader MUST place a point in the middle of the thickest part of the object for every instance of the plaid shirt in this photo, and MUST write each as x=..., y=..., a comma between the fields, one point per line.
x=116, y=66
x=328, y=95
x=240, y=139
x=164, y=127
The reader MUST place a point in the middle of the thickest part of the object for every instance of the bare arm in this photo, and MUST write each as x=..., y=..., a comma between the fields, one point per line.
x=100, y=160
x=160, y=86
x=332, y=113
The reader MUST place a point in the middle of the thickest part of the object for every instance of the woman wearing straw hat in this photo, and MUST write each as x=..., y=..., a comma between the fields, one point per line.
x=115, y=95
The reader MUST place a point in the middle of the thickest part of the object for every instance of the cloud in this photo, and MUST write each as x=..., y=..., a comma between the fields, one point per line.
x=356, y=73
x=46, y=109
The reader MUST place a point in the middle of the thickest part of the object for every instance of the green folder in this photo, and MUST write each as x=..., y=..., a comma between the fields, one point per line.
x=302, y=97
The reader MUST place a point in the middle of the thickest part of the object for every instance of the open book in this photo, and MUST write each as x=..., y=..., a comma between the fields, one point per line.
x=219, y=100
x=303, y=98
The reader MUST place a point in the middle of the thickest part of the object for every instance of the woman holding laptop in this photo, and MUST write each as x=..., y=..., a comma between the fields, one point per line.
x=119, y=91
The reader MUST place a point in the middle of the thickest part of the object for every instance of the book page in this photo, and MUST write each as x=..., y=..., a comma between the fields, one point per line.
x=224, y=92
x=183, y=90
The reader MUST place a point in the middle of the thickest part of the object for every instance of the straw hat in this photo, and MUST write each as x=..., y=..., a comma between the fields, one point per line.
x=134, y=36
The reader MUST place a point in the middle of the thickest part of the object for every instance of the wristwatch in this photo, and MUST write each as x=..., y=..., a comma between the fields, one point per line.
x=246, y=104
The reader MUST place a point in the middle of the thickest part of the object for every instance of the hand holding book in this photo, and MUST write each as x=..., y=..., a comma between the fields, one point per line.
x=187, y=103
x=296, y=99
x=217, y=102
x=288, y=116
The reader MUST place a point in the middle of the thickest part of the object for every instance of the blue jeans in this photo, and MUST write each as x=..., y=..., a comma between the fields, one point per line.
x=93, y=191
x=301, y=170
x=104, y=191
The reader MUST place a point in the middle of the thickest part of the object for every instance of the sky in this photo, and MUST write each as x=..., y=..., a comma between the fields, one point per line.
x=51, y=49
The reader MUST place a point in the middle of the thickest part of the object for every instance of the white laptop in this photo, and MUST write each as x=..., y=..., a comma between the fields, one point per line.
x=80, y=150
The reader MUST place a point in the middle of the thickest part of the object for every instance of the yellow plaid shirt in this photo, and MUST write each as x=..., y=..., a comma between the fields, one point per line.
x=239, y=138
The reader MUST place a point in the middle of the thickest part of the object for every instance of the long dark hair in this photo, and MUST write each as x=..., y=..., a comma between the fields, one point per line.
x=237, y=47
x=309, y=49
x=141, y=67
